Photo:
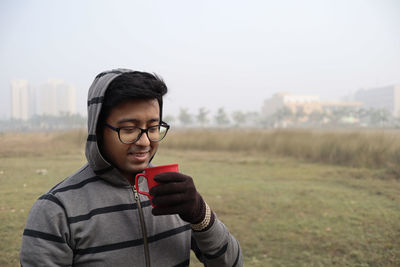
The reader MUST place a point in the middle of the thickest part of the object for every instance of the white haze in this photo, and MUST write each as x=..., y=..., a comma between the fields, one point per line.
x=212, y=54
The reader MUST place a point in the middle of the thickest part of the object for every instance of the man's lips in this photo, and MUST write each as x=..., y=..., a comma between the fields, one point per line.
x=139, y=155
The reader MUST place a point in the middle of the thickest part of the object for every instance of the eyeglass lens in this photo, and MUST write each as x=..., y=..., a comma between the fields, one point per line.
x=131, y=134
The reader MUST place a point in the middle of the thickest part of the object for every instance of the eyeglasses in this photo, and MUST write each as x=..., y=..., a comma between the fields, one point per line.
x=131, y=134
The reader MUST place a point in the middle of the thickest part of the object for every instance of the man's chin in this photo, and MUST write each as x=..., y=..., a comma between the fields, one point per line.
x=138, y=168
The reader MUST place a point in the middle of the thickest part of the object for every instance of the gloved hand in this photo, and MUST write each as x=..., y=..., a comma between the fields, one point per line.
x=177, y=195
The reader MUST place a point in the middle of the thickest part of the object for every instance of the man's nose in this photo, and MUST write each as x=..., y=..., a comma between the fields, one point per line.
x=143, y=140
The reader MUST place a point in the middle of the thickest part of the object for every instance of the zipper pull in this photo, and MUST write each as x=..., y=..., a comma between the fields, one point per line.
x=135, y=193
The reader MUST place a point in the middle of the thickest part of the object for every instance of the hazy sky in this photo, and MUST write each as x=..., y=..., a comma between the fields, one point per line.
x=230, y=54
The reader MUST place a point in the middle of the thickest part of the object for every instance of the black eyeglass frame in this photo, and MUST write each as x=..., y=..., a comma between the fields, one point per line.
x=163, y=124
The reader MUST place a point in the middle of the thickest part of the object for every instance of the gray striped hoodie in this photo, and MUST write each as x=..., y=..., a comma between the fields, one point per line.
x=96, y=218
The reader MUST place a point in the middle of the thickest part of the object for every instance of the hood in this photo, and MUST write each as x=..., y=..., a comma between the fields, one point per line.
x=100, y=165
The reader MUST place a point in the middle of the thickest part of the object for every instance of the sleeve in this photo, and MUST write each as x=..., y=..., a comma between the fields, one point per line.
x=45, y=241
x=216, y=246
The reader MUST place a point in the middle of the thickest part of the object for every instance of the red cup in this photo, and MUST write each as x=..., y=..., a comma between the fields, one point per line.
x=149, y=174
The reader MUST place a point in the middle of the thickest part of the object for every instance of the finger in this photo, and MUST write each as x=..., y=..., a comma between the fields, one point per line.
x=172, y=200
x=168, y=177
x=170, y=188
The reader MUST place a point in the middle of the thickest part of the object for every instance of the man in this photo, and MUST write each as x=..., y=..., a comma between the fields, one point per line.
x=96, y=217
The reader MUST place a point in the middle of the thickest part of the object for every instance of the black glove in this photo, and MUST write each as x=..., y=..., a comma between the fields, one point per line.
x=177, y=195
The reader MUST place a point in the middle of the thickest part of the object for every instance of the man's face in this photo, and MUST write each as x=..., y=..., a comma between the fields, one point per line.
x=133, y=158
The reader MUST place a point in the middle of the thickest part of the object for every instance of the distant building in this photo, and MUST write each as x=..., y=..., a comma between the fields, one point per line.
x=22, y=100
x=57, y=98
x=306, y=104
x=387, y=97
x=332, y=105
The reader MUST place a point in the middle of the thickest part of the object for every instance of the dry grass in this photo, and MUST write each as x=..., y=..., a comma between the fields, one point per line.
x=368, y=149
x=361, y=149
x=40, y=144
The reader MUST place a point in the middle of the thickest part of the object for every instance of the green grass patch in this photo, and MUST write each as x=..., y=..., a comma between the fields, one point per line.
x=23, y=180
x=291, y=213
x=285, y=211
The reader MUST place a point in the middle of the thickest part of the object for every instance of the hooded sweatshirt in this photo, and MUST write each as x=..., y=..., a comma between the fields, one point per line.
x=96, y=218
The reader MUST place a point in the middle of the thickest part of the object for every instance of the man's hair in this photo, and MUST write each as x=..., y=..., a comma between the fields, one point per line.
x=131, y=85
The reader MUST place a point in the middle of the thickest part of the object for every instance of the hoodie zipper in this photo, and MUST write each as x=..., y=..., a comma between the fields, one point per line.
x=143, y=225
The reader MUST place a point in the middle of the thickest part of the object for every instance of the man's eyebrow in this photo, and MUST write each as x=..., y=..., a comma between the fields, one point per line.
x=138, y=121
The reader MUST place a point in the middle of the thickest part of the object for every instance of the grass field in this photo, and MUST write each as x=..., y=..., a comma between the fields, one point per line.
x=285, y=211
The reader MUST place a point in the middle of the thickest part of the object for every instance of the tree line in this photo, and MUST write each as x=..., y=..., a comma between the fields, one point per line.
x=64, y=121
x=340, y=117
x=281, y=118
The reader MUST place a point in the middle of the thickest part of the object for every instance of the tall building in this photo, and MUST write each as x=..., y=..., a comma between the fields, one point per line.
x=57, y=98
x=387, y=97
x=22, y=100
